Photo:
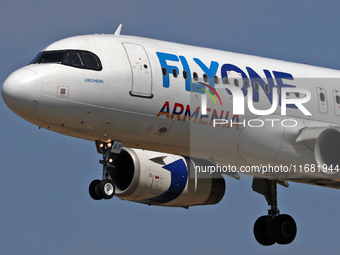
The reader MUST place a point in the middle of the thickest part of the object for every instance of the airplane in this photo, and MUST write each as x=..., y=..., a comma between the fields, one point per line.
x=187, y=116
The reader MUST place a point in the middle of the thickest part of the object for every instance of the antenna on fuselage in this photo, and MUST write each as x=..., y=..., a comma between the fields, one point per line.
x=117, y=33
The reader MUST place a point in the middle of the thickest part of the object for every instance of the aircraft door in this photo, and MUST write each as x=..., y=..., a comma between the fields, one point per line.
x=141, y=70
x=336, y=99
x=322, y=98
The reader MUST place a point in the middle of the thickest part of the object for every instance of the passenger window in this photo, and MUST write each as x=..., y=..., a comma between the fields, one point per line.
x=266, y=88
x=164, y=71
x=246, y=84
x=205, y=78
x=216, y=79
x=174, y=72
x=337, y=98
x=236, y=83
x=225, y=80
x=185, y=75
x=195, y=76
x=256, y=86
x=322, y=97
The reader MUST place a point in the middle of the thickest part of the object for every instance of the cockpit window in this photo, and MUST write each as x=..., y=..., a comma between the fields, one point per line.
x=35, y=58
x=51, y=57
x=74, y=58
x=89, y=60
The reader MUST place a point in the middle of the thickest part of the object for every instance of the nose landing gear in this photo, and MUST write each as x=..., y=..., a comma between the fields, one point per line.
x=105, y=188
x=102, y=189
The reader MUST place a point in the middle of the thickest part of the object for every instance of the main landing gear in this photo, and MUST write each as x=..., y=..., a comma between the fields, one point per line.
x=105, y=188
x=274, y=227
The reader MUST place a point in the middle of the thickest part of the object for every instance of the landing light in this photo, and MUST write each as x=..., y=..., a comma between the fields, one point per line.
x=110, y=160
x=109, y=145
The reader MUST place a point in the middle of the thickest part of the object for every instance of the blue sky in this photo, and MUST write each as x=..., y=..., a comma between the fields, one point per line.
x=44, y=176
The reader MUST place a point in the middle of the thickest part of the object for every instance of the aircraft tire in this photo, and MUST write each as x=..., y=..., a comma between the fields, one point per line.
x=262, y=233
x=106, y=189
x=283, y=229
x=93, y=190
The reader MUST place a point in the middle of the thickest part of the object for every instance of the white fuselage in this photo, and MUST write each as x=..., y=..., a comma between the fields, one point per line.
x=133, y=100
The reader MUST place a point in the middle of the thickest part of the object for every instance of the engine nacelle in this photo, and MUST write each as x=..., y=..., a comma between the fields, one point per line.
x=156, y=178
x=327, y=151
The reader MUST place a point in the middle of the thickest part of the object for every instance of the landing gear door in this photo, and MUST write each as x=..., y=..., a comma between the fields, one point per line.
x=141, y=70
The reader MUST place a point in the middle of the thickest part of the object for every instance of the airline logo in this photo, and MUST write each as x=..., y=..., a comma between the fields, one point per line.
x=214, y=91
x=170, y=63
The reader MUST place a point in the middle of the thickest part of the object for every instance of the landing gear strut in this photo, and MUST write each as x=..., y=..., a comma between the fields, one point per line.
x=274, y=227
x=105, y=188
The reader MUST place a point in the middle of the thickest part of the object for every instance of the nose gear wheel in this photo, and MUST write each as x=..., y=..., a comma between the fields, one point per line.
x=105, y=188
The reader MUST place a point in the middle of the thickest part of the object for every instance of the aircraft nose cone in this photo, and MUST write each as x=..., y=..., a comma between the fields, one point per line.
x=21, y=91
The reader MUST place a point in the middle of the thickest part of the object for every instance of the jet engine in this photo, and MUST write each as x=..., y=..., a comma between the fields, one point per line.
x=156, y=178
x=327, y=151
